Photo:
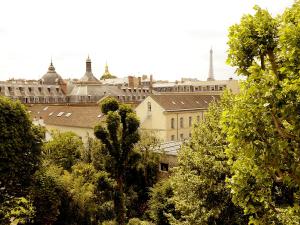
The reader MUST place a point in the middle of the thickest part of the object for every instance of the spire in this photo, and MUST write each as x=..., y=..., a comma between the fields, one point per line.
x=211, y=69
x=51, y=67
x=106, y=68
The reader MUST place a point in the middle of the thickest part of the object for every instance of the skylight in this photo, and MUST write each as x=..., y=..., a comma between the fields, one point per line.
x=174, y=103
x=68, y=114
x=50, y=114
x=182, y=102
x=45, y=108
x=197, y=102
x=60, y=114
x=99, y=115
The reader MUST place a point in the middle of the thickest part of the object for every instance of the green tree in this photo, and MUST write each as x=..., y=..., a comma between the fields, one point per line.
x=46, y=195
x=63, y=149
x=160, y=205
x=118, y=136
x=19, y=149
x=263, y=126
x=16, y=211
x=200, y=191
x=141, y=174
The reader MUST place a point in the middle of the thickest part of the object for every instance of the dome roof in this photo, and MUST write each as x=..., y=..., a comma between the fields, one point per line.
x=51, y=77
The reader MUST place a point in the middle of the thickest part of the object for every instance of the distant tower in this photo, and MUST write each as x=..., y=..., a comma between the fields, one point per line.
x=88, y=65
x=106, y=72
x=88, y=76
x=211, y=68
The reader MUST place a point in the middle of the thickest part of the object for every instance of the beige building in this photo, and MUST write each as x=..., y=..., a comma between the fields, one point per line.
x=171, y=116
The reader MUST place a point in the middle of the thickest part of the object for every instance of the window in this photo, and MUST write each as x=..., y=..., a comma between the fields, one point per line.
x=164, y=167
x=172, y=137
x=181, y=122
x=190, y=121
x=172, y=123
x=68, y=114
x=190, y=135
x=60, y=114
x=198, y=118
x=149, y=106
x=181, y=136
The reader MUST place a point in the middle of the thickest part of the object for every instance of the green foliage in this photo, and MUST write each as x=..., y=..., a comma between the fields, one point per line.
x=64, y=149
x=109, y=104
x=16, y=211
x=252, y=40
x=141, y=174
x=46, y=196
x=118, y=136
x=137, y=221
x=19, y=149
x=160, y=205
x=262, y=126
x=200, y=192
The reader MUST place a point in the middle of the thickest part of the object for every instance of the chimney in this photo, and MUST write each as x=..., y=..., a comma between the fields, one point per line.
x=151, y=83
x=130, y=81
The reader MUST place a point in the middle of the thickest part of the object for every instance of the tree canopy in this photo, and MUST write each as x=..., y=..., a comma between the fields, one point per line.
x=262, y=126
x=19, y=148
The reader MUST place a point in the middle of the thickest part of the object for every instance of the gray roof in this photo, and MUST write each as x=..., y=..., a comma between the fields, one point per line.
x=89, y=77
x=51, y=77
x=170, y=148
x=95, y=90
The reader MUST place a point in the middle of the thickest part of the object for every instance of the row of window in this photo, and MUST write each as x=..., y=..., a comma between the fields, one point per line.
x=181, y=122
x=191, y=88
x=29, y=89
x=181, y=137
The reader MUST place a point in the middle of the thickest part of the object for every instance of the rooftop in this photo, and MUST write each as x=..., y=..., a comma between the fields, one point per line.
x=184, y=101
x=67, y=115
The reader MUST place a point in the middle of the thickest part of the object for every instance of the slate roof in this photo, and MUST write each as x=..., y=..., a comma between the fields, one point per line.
x=51, y=77
x=89, y=77
x=95, y=90
x=72, y=116
x=181, y=102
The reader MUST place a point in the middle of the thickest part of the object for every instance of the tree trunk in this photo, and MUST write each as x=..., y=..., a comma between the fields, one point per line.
x=273, y=63
x=119, y=202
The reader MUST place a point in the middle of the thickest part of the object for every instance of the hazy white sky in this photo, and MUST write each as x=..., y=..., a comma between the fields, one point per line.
x=167, y=38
